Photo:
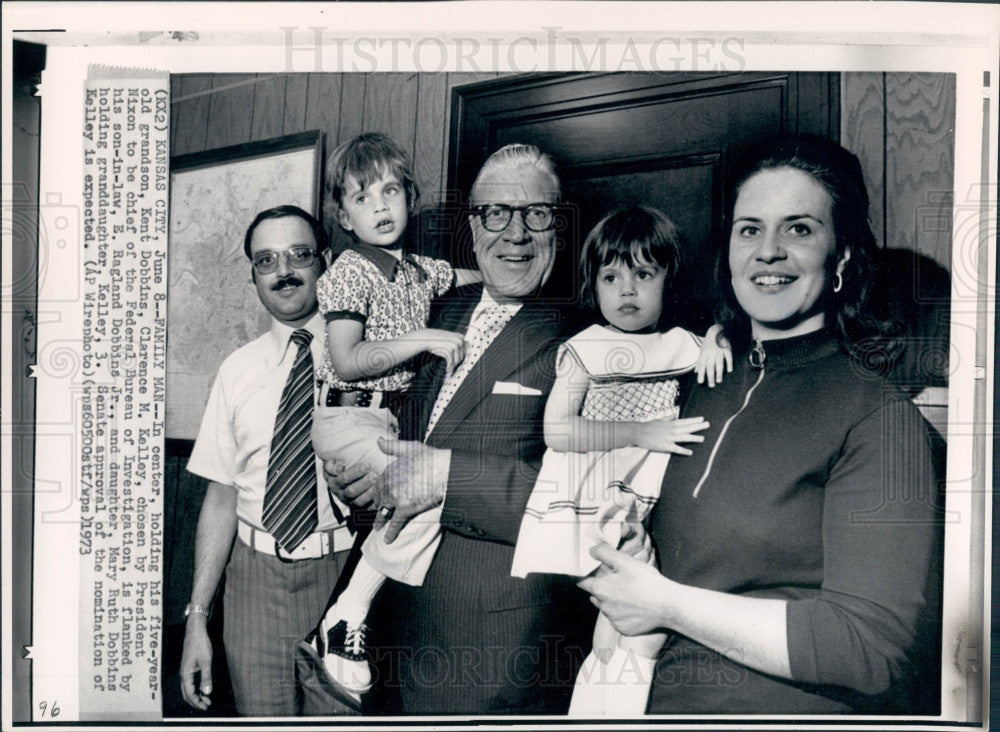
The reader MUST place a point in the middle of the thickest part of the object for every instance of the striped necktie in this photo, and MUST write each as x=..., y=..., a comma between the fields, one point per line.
x=290, y=505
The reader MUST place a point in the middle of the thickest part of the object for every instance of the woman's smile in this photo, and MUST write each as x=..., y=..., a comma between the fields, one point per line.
x=772, y=281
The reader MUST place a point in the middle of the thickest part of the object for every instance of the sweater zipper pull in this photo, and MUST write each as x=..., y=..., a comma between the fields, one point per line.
x=757, y=355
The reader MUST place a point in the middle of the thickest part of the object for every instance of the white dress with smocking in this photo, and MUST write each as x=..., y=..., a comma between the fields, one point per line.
x=580, y=499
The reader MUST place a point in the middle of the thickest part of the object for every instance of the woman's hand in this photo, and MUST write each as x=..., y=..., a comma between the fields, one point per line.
x=630, y=592
x=637, y=600
x=353, y=485
x=663, y=435
x=716, y=357
x=634, y=541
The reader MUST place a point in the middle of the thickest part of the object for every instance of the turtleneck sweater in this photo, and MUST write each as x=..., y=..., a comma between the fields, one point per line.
x=814, y=485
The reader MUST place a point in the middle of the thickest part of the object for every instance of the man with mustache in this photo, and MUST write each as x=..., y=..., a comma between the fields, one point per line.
x=267, y=518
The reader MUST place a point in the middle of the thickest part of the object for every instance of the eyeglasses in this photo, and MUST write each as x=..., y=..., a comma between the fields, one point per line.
x=496, y=216
x=298, y=257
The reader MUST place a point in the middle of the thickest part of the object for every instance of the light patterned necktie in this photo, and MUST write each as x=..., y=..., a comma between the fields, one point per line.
x=483, y=329
x=290, y=512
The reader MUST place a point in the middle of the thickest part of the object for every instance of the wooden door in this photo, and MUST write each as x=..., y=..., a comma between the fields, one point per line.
x=636, y=138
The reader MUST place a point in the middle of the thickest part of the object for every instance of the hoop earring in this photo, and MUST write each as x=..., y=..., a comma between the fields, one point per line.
x=838, y=283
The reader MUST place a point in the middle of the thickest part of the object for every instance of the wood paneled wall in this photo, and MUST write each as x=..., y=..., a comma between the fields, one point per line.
x=215, y=110
x=902, y=127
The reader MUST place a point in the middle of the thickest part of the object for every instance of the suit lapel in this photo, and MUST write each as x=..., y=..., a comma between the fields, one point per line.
x=455, y=317
x=519, y=341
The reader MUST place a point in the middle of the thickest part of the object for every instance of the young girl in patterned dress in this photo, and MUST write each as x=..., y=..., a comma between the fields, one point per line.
x=610, y=425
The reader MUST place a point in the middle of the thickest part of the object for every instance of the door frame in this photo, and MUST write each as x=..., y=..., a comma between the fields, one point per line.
x=810, y=103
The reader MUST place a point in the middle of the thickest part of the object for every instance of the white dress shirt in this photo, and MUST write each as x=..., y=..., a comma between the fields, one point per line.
x=234, y=441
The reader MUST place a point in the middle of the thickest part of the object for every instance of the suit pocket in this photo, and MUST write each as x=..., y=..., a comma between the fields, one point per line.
x=519, y=409
x=514, y=388
x=515, y=592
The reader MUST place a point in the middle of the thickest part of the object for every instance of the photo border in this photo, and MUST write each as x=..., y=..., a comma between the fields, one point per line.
x=985, y=269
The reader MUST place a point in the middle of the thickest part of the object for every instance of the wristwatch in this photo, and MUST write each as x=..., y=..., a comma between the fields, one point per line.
x=192, y=608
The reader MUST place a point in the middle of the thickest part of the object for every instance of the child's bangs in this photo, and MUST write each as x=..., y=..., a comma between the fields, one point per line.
x=630, y=250
x=368, y=166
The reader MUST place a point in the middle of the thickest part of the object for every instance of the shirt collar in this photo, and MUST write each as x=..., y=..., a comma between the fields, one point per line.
x=386, y=263
x=799, y=350
x=487, y=301
x=281, y=334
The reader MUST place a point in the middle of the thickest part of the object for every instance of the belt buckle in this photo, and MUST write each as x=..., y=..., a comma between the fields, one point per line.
x=287, y=559
x=277, y=552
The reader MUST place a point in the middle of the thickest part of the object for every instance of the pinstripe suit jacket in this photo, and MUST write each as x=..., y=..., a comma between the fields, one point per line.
x=473, y=639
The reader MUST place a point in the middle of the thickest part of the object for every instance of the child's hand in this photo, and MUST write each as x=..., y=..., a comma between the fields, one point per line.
x=663, y=435
x=715, y=358
x=449, y=346
x=636, y=542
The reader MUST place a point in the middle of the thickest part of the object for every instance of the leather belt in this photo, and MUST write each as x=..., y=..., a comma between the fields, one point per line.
x=353, y=398
x=314, y=546
x=366, y=398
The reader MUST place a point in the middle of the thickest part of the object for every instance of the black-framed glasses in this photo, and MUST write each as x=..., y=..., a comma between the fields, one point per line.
x=495, y=217
x=297, y=257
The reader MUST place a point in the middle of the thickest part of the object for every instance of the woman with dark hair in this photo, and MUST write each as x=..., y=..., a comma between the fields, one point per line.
x=795, y=545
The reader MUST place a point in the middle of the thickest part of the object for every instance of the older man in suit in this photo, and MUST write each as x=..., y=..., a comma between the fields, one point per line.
x=472, y=639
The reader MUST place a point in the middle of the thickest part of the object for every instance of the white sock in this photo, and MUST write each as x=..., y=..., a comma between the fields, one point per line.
x=618, y=688
x=606, y=638
x=588, y=700
x=356, y=599
x=630, y=677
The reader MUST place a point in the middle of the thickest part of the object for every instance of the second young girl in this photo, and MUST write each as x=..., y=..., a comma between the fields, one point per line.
x=610, y=426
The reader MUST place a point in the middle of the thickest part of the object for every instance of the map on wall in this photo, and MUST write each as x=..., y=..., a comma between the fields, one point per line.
x=212, y=306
